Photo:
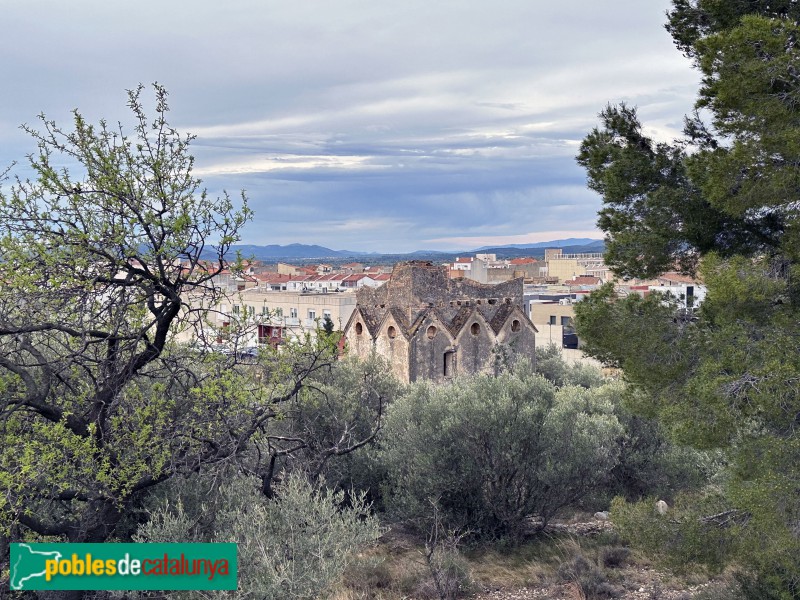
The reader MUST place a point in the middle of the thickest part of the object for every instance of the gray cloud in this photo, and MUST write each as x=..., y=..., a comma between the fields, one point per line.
x=365, y=125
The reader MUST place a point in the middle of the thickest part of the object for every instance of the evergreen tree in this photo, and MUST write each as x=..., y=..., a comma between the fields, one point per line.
x=723, y=201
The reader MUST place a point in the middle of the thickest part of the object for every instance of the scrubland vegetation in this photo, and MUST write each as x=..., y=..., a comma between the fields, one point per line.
x=338, y=482
x=449, y=498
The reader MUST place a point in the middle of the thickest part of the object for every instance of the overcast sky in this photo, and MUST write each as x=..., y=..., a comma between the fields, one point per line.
x=363, y=124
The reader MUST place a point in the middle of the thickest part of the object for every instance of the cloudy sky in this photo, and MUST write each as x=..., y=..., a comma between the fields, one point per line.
x=363, y=124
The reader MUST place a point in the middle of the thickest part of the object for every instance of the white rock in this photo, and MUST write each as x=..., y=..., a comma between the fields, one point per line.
x=662, y=507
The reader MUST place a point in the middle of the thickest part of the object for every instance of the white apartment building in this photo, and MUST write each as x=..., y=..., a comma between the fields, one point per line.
x=259, y=316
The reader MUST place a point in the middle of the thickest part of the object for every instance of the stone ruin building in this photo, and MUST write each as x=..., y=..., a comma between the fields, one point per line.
x=432, y=327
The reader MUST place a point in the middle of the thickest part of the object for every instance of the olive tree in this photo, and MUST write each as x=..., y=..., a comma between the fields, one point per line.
x=293, y=545
x=495, y=450
x=329, y=428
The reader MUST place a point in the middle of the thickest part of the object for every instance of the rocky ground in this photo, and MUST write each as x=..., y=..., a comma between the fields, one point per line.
x=645, y=584
x=636, y=582
x=532, y=571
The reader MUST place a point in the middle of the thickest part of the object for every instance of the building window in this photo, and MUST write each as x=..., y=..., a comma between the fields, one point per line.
x=251, y=310
x=278, y=312
x=448, y=364
x=293, y=313
x=312, y=314
x=475, y=329
x=431, y=332
x=565, y=321
x=515, y=325
x=553, y=320
x=236, y=309
x=264, y=310
x=359, y=329
x=391, y=332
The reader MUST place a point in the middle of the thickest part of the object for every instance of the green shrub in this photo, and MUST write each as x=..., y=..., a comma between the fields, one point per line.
x=336, y=416
x=450, y=576
x=649, y=463
x=294, y=546
x=588, y=577
x=551, y=365
x=702, y=530
x=495, y=450
x=680, y=539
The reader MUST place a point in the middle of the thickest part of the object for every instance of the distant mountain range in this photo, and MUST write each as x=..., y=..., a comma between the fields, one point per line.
x=537, y=250
x=554, y=244
x=274, y=252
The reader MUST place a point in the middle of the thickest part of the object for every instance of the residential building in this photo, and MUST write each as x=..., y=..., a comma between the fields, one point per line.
x=486, y=268
x=566, y=266
x=260, y=316
x=686, y=290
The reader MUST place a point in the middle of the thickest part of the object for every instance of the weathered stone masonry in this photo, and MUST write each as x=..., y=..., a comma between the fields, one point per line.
x=431, y=327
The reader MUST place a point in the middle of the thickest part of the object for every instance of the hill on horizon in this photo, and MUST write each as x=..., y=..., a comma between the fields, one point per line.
x=274, y=252
x=569, y=242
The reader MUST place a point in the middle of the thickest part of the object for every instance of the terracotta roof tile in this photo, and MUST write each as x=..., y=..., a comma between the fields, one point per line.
x=584, y=280
x=272, y=277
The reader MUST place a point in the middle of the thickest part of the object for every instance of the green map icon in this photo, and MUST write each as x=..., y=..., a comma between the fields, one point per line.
x=28, y=564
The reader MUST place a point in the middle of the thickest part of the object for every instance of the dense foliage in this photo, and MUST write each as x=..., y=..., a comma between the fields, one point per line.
x=495, y=450
x=295, y=545
x=98, y=258
x=722, y=202
x=100, y=269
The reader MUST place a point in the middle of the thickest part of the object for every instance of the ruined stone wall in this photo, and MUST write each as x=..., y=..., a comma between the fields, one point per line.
x=519, y=336
x=475, y=342
x=426, y=356
x=371, y=297
x=392, y=345
x=359, y=339
x=424, y=284
x=469, y=289
x=455, y=335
